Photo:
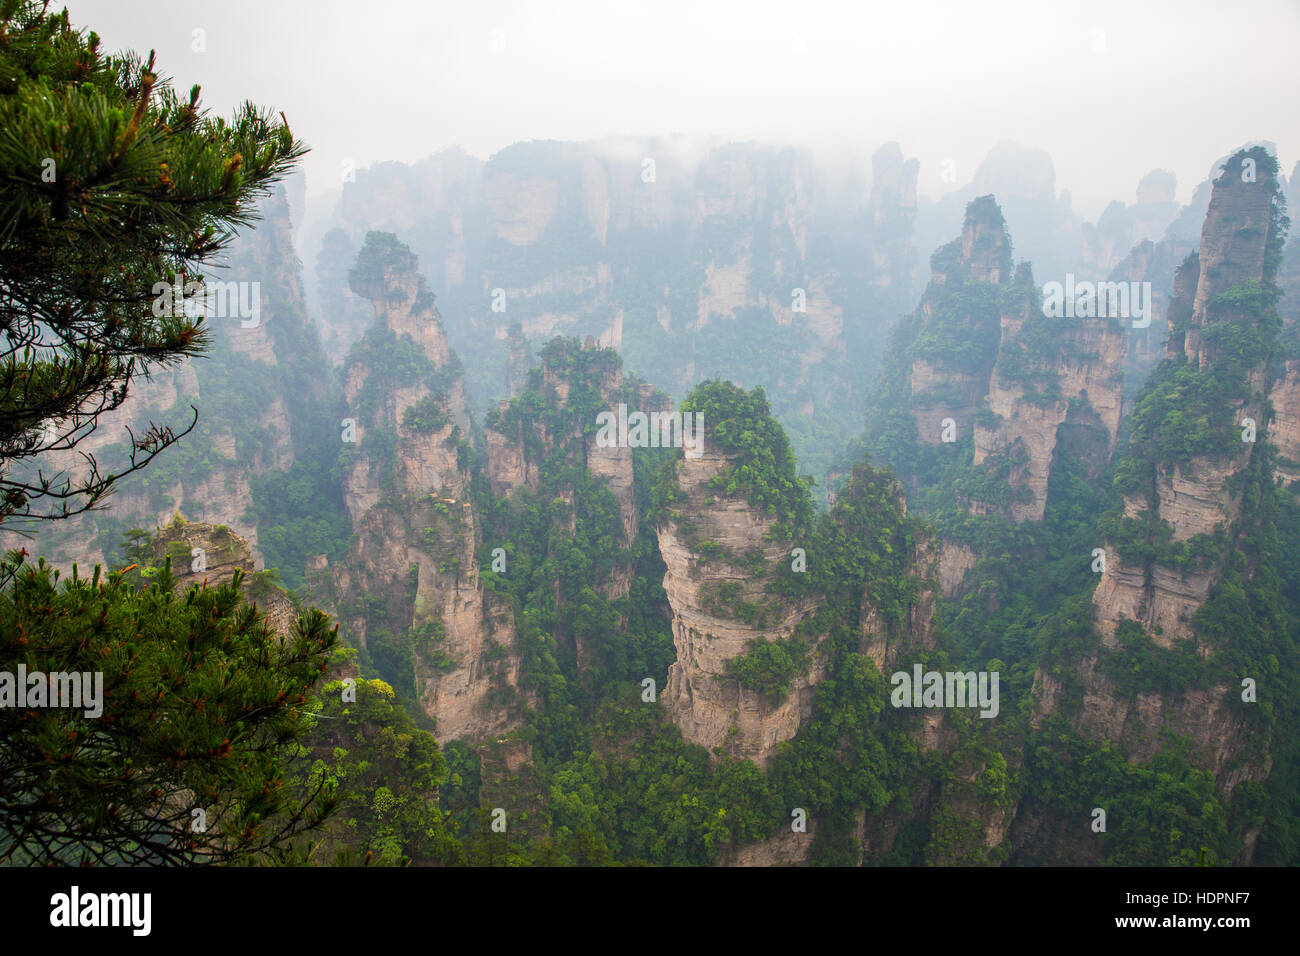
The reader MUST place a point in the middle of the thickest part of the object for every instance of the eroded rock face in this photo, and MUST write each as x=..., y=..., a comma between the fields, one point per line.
x=1234, y=241
x=614, y=466
x=786, y=848
x=725, y=289
x=507, y=465
x=521, y=207
x=518, y=364
x=1206, y=716
x=1161, y=600
x=954, y=561
x=1200, y=495
x=208, y=555
x=702, y=697
x=1284, y=431
x=1195, y=497
x=415, y=528
x=940, y=394
x=722, y=556
x=1087, y=370
x=972, y=265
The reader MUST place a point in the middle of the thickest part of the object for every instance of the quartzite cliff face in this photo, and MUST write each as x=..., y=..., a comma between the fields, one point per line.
x=209, y=555
x=987, y=370
x=725, y=559
x=413, y=573
x=1195, y=497
x=707, y=591
x=1050, y=373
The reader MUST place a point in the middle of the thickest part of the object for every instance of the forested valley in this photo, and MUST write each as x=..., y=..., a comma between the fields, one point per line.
x=389, y=596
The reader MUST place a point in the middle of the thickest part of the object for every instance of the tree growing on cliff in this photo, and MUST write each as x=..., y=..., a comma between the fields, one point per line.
x=109, y=185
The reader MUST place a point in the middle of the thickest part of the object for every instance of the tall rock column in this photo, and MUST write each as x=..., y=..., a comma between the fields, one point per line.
x=1185, y=478
x=411, y=587
x=1217, y=294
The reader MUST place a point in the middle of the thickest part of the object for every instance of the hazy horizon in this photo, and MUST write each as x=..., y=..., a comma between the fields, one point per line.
x=1170, y=85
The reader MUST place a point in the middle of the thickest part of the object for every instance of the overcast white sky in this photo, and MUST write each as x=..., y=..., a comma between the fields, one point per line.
x=1110, y=89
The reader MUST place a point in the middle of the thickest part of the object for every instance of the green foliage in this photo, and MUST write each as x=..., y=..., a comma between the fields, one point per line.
x=657, y=800
x=387, y=772
x=393, y=657
x=1186, y=413
x=767, y=667
x=1159, y=813
x=709, y=551
x=740, y=423
x=845, y=759
x=861, y=550
x=962, y=331
x=1140, y=666
x=1149, y=539
x=300, y=514
x=427, y=416
x=382, y=255
x=202, y=705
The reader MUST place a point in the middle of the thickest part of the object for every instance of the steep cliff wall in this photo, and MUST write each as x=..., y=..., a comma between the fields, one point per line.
x=720, y=604
x=954, y=343
x=1284, y=430
x=411, y=583
x=1156, y=263
x=1050, y=372
x=1184, y=514
x=755, y=585
x=1196, y=494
